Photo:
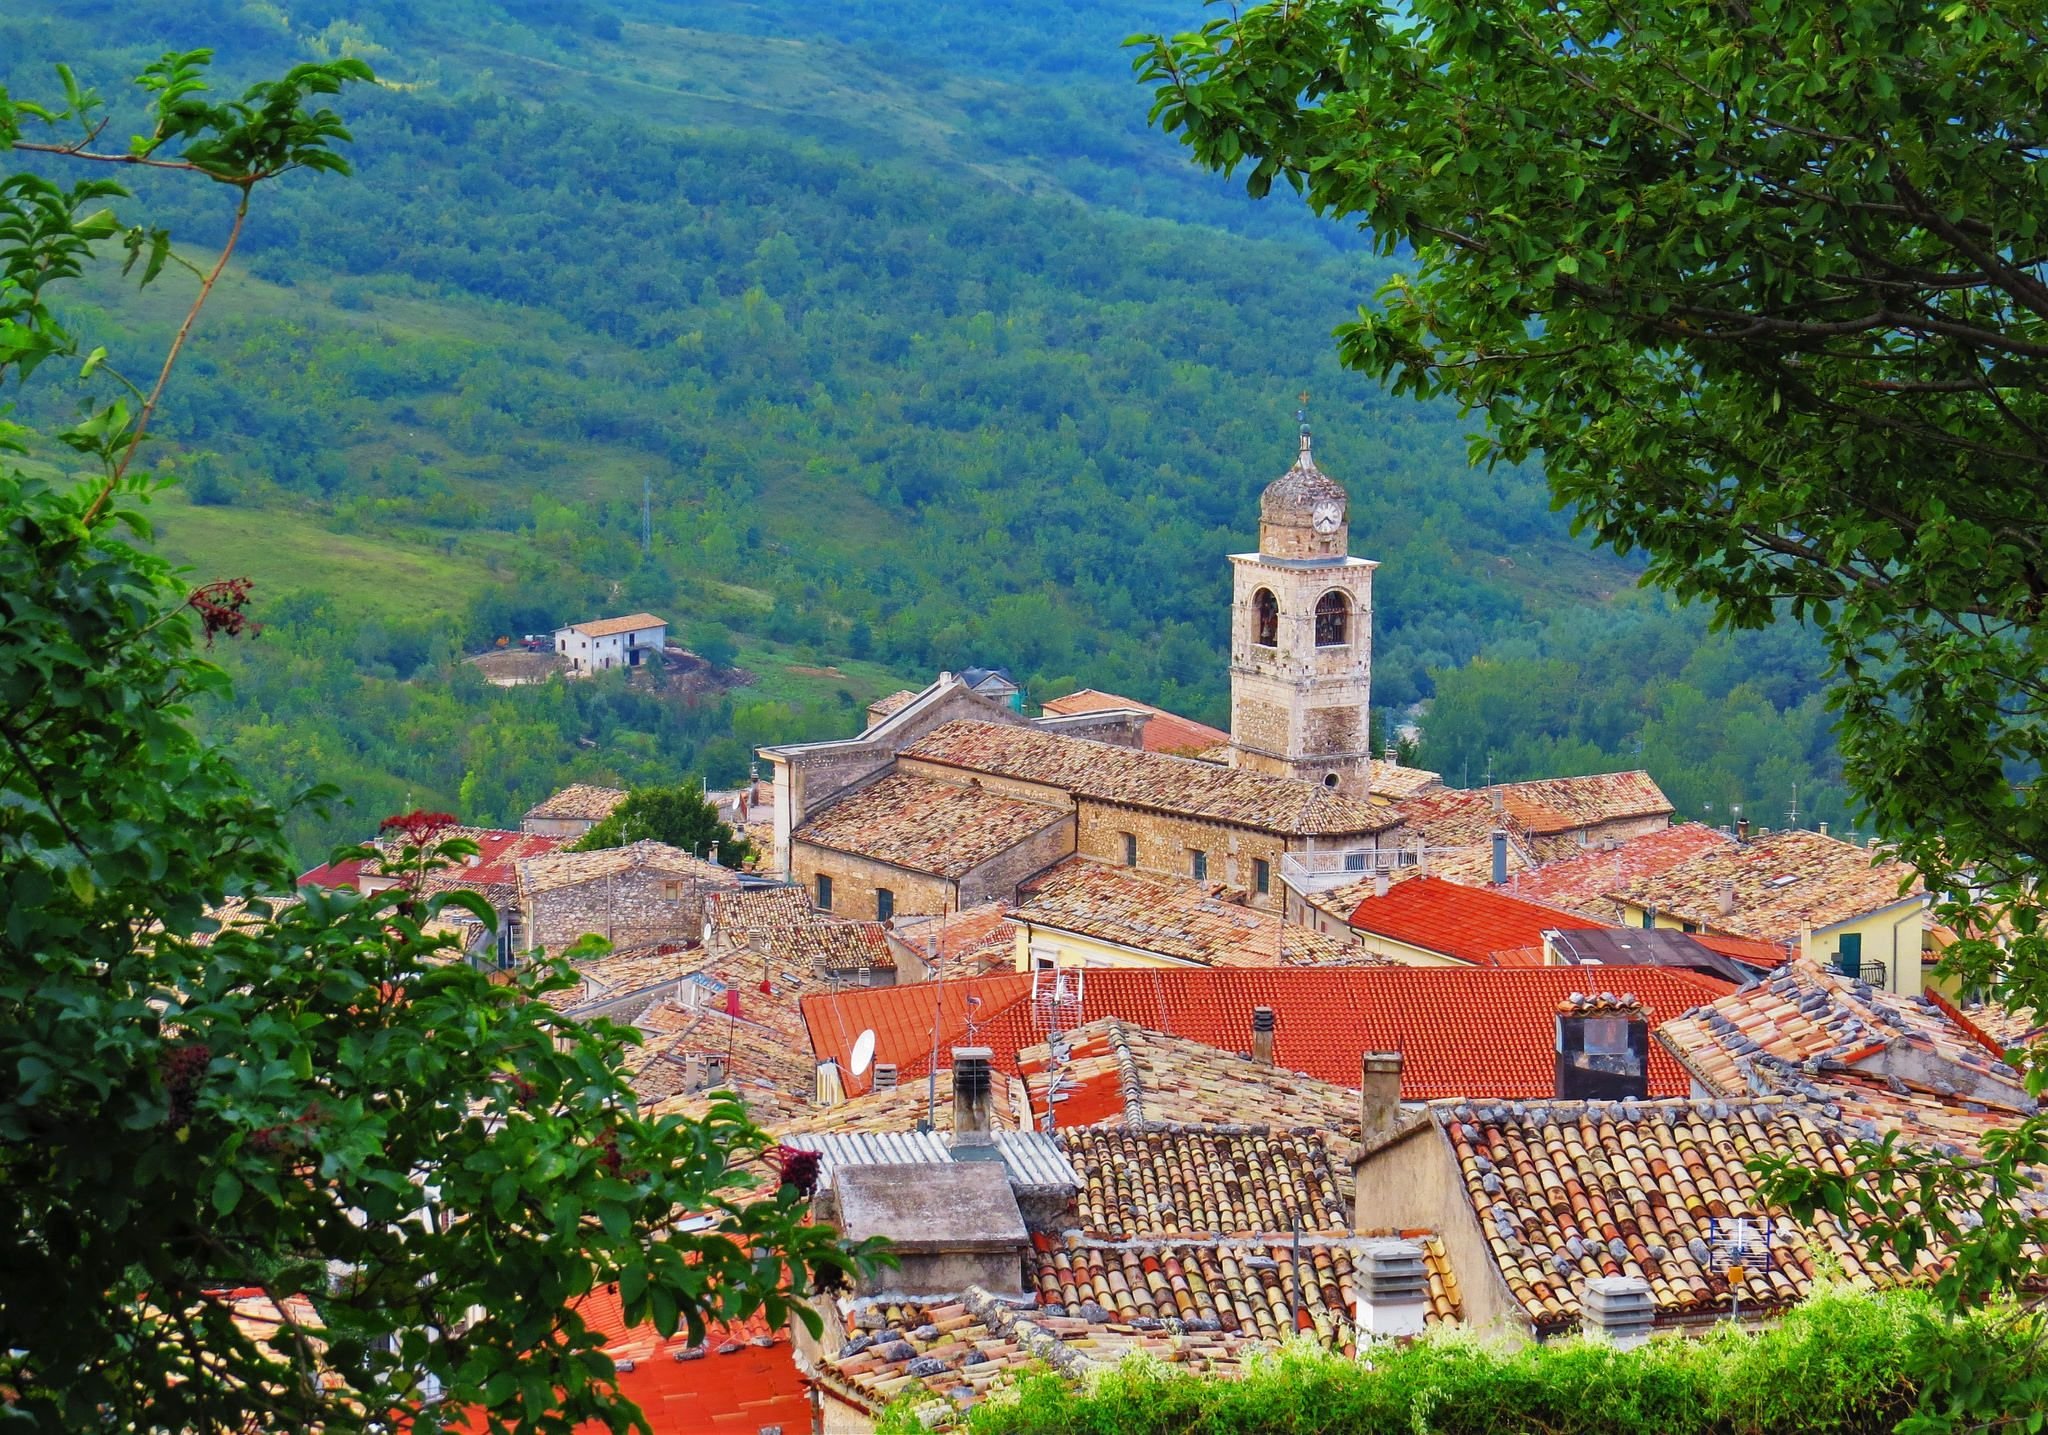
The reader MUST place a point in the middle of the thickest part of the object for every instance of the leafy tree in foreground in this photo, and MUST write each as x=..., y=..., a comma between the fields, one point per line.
x=310, y=1100
x=1762, y=285
x=681, y=816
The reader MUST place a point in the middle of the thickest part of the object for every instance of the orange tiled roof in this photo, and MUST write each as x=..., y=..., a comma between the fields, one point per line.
x=1898, y=1063
x=1187, y=921
x=556, y=870
x=1782, y=884
x=1580, y=882
x=976, y=941
x=1566, y=1191
x=579, y=800
x=924, y=825
x=892, y=704
x=1204, y=1181
x=1469, y=923
x=772, y=1077
x=607, y=627
x=1547, y=806
x=1397, y=783
x=794, y=930
x=1115, y=1073
x=1166, y=732
x=1150, y=780
x=1465, y=1031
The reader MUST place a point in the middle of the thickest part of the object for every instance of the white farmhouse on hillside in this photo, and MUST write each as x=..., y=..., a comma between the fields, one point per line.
x=605, y=643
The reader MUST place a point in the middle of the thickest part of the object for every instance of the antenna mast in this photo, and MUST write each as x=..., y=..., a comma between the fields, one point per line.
x=646, y=513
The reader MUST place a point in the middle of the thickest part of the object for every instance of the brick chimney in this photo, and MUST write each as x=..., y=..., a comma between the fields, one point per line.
x=1603, y=1047
x=885, y=1076
x=973, y=1098
x=1500, y=857
x=1379, y=1094
x=1262, y=1035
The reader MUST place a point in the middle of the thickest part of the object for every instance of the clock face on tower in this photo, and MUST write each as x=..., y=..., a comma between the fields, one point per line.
x=1326, y=516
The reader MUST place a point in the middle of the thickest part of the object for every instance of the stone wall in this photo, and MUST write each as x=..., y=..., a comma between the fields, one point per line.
x=628, y=909
x=854, y=880
x=1414, y=1184
x=1165, y=842
x=998, y=878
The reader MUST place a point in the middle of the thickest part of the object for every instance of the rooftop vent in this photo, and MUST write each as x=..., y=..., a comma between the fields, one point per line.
x=1619, y=1308
x=1393, y=1289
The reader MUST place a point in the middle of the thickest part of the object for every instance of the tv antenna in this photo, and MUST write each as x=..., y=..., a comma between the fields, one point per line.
x=646, y=513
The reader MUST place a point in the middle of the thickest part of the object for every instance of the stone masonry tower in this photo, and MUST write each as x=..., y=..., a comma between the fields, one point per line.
x=1301, y=637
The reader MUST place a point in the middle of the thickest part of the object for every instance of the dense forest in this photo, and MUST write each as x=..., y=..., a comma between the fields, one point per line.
x=923, y=352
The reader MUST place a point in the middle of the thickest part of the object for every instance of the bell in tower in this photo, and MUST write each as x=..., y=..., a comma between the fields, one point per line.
x=1301, y=636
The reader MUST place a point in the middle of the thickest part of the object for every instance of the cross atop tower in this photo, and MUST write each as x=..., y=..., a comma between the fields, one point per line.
x=1301, y=417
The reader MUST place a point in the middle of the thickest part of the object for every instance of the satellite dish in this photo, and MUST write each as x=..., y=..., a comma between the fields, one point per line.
x=863, y=1051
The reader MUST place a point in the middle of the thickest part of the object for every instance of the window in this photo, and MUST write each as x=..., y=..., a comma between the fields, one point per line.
x=1649, y=919
x=1333, y=620
x=1130, y=849
x=1265, y=618
x=1262, y=877
x=824, y=893
x=885, y=904
x=1849, y=953
x=674, y=891
x=1198, y=864
x=1688, y=926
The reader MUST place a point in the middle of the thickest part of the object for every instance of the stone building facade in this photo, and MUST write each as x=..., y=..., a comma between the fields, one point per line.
x=638, y=895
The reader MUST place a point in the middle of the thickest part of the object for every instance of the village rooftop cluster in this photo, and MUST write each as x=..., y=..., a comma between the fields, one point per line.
x=1135, y=1035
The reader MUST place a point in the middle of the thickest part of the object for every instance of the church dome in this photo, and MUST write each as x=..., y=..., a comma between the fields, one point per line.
x=1304, y=513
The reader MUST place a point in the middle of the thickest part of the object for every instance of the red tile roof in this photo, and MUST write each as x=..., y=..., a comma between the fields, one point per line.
x=1469, y=923
x=1465, y=1031
x=607, y=627
x=1581, y=883
x=1166, y=732
x=497, y=854
x=743, y=1377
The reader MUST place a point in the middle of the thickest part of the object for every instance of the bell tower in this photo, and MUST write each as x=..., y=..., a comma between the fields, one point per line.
x=1301, y=636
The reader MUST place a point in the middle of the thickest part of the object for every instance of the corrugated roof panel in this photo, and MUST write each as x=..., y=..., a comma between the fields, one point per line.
x=1035, y=1159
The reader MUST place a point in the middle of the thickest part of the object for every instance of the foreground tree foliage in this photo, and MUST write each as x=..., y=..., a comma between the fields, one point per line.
x=310, y=1100
x=681, y=816
x=1762, y=286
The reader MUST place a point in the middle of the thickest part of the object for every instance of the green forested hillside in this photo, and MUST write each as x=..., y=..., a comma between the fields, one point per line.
x=928, y=351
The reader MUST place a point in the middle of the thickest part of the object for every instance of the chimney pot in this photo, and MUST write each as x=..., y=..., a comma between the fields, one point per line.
x=1500, y=857
x=1262, y=1035
x=1742, y=829
x=1728, y=898
x=1603, y=1048
x=972, y=1090
x=885, y=1076
x=1823, y=829
x=1379, y=884
x=1379, y=1094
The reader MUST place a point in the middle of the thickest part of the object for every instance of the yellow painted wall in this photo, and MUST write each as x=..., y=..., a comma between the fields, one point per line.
x=1892, y=935
x=1072, y=949
x=1402, y=952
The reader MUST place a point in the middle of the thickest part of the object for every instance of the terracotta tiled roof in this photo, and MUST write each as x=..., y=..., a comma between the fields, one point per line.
x=1566, y=1191
x=2007, y=1030
x=772, y=1078
x=1113, y=1073
x=579, y=800
x=956, y=1353
x=894, y=703
x=1204, y=1181
x=784, y=920
x=1149, y=780
x=494, y=865
x=977, y=941
x=1551, y=805
x=1469, y=923
x=571, y=869
x=1782, y=884
x=607, y=627
x=903, y=1109
x=1465, y=1031
x=1187, y=921
x=1899, y=1063
x=623, y=973
x=1238, y=1286
x=1166, y=732
x=1581, y=882
x=1453, y=817
x=235, y=914
x=741, y=1378
x=1744, y=949
x=924, y=825
x=1391, y=780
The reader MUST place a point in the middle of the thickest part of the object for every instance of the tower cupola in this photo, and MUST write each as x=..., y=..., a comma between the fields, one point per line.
x=1304, y=514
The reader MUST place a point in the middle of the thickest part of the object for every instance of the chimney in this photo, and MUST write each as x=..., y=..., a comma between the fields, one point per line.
x=1379, y=1094
x=1603, y=1048
x=1262, y=1035
x=1728, y=898
x=1500, y=857
x=829, y=1091
x=1742, y=829
x=1619, y=1308
x=885, y=1076
x=1393, y=1289
x=1500, y=799
x=1379, y=884
x=1823, y=829
x=972, y=1092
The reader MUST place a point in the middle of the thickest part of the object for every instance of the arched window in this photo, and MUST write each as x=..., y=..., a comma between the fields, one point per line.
x=1333, y=620
x=1265, y=619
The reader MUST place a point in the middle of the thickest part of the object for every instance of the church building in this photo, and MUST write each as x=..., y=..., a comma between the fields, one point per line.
x=1301, y=638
